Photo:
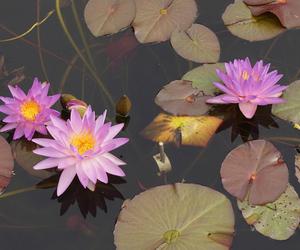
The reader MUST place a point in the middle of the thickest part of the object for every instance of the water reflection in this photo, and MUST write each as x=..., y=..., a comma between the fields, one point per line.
x=241, y=126
x=87, y=201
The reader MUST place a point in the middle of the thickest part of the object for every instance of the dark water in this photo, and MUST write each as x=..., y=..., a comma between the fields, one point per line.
x=32, y=220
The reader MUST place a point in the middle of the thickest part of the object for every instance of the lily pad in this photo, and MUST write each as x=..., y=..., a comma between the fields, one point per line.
x=182, y=130
x=6, y=164
x=241, y=23
x=180, y=98
x=288, y=11
x=197, y=44
x=156, y=19
x=290, y=110
x=24, y=156
x=203, y=77
x=179, y=216
x=297, y=166
x=255, y=169
x=104, y=17
x=277, y=220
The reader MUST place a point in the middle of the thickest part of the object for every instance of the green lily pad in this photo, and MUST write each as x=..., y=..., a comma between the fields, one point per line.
x=277, y=220
x=290, y=110
x=241, y=23
x=197, y=44
x=105, y=17
x=179, y=216
x=203, y=77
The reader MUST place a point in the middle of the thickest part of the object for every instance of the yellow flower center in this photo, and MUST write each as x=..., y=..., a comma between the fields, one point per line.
x=163, y=11
x=30, y=110
x=83, y=142
x=245, y=75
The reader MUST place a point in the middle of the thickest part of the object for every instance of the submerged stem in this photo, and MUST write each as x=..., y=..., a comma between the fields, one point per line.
x=88, y=66
x=18, y=191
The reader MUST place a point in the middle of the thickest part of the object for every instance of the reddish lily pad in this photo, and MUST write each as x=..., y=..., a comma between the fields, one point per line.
x=180, y=98
x=202, y=77
x=179, y=216
x=156, y=19
x=241, y=23
x=6, y=164
x=288, y=11
x=104, y=17
x=197, y=44
x=182, y=130
x=255, y=170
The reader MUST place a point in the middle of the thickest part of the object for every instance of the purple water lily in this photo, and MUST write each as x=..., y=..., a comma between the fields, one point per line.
x=28, y=113
x=248, y=86
x=81, y=146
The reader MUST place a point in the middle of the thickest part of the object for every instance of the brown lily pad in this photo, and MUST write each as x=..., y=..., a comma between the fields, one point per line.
x=255, y=170
x=288, y=11
x=197, y=44
x=156, y=19
x=180, y=98
x=182, y=130
x=104, y=17
x=241, y=23
x=6, y=164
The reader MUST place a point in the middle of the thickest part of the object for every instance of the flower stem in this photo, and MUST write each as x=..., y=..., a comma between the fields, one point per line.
x=18, y=191
x=88, y=66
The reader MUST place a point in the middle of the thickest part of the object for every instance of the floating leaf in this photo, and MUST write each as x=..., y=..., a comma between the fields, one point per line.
x=179, y=216
x=255, y=169
x=277, y=220
x=241, y=23
x=203, y=77
x=104, y=17
x=185, y=130
x=290, y=110
x=6, y=164
x=288, y=11
x=22, y=150
x=123, y=106
x=156, y=19
x=180, y=98
x=297, y=166
x=197, y=44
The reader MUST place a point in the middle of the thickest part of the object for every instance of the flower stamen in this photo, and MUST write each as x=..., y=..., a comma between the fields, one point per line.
x=30, y=110
x=83, y=142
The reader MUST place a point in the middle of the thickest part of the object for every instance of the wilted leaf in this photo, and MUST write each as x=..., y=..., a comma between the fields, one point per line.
x=6, y=164
x=288, y=11
x=241, y=23
x=297, y=166
x=179, y=216
x=277, y=220
x=180, y=98
x=290, y=110
x=203, y=77
x=22, y=150
x=197, y=44
x=156, y=19
x=105, y=17
x=255, y=169
x=185, y=130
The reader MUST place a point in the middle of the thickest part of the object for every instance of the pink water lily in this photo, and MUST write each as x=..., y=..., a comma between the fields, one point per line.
x=81, y=146
x=28, y=113
x=248, y=86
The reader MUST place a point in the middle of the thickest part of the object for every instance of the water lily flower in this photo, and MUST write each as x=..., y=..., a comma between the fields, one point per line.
x=28, y=113
x=248, y=86
x=81, y=146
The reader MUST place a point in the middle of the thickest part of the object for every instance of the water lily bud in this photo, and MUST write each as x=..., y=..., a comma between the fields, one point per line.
x=123, y=106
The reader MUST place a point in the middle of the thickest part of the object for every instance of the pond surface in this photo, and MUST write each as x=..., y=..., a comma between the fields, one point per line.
x=35, y=220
